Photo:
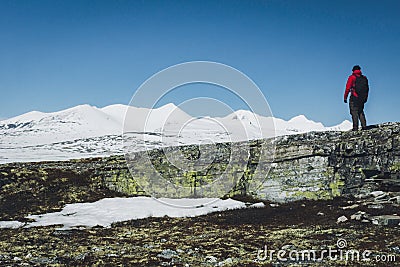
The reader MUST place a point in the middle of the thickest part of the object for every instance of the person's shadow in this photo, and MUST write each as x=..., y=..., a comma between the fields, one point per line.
x=369, y=127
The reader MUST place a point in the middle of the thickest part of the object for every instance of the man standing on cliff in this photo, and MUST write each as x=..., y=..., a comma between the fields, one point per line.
x=357, y=86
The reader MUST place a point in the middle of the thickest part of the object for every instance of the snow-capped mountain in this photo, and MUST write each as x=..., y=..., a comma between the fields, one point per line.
x=73, y=123
x=85, y=131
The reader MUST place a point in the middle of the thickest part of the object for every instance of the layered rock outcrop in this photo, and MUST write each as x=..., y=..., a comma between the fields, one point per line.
x=327, y=164
x=316, y=165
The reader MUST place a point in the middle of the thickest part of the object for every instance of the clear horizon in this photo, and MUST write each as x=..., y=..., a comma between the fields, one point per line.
x=59, y=54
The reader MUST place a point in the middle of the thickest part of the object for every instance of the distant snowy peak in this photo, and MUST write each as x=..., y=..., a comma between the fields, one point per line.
x=303, y=124
x=302, y=119
x=344, y=126
x=242, y=115
x=27, y=117
x=37, y=128
x=86, y=120
x=170, y=107
x=116, y=112
x=299, y=119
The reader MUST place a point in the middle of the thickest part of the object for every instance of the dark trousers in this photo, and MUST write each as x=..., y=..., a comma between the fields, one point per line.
x=357, y=113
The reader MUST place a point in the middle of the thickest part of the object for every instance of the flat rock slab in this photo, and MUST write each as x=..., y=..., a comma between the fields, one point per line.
x=389, y=220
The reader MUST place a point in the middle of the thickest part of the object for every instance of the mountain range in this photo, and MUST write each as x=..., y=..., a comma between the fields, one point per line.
x=87, y=131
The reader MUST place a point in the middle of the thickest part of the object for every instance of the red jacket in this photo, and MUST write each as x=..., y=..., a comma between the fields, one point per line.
x=351, y=83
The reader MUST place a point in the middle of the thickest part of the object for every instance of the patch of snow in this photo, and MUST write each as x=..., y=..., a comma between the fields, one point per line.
x=11, y=224
x=257, y=205
x=109, y=210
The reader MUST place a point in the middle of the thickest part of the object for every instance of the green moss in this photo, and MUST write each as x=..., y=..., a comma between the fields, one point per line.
x=114, y=178
x=324, y=193
x=395, y=167
x=313, y=195
x=336, y=187
x=329, y=173
x=43, y=174
x=127, y=186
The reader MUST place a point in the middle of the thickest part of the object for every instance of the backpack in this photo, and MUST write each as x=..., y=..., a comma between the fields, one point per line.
x=361, y=88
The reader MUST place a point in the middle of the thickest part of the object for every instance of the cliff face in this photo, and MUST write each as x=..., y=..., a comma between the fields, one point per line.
x=328, y=164
x=317, y=165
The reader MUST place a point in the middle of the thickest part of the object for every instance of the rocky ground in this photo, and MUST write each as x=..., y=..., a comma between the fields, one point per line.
x=231, y=238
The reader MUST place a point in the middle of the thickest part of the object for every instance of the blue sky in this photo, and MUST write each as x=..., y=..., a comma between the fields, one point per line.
x=58, y=54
